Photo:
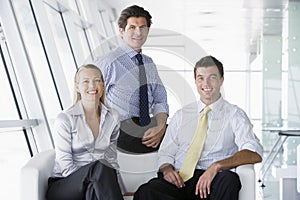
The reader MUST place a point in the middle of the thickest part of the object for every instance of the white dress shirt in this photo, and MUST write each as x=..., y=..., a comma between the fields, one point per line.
x=74, y=141
x=229, y=131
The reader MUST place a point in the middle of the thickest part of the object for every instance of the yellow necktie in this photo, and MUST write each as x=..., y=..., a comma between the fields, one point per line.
x=195, y=149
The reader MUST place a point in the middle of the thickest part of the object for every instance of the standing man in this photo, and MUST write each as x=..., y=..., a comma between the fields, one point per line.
x=204, y=140
x=133, y=85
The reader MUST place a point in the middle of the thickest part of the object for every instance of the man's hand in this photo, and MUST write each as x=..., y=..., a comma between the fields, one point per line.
x=172, y=176
x=205, y=180
x=153, y=136
x=240, y=158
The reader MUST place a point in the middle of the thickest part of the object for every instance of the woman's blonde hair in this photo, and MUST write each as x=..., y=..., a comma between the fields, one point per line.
x=77, y=95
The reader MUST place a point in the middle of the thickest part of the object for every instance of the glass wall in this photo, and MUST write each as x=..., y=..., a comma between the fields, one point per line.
x=42, y=44
x=14, y=149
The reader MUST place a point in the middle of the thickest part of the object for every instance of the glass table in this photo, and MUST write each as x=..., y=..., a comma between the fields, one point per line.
x=283, y=134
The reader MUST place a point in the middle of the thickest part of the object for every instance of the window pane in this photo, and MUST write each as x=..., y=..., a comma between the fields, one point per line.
x=7, y=105
x=37, y=58
x=81, y=45
x=62, y=45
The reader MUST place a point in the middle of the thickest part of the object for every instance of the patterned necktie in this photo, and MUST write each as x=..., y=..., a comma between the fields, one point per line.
x=195, y=149
x=144, y=107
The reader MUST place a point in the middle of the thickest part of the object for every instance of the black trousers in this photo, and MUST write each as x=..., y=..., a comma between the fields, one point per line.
x=95, y=181
x=225, y=186
x=130, y=137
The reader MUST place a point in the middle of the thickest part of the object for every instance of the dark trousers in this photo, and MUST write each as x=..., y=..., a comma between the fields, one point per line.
x=225, y=186
x=130, y=137
x=95, y=181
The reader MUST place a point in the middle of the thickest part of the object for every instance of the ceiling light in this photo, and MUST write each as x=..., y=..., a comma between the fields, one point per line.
x=273, y=10
x=207, y=12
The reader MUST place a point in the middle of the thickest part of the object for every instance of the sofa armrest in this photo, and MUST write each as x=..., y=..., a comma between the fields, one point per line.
x=247, y=177
x=34, y=176
x=298, y=168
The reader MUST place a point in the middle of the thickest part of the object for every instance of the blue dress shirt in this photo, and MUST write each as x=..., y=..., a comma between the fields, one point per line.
x=121, y=75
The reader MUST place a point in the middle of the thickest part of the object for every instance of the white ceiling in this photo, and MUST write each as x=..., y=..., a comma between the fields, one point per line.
x=229, y=30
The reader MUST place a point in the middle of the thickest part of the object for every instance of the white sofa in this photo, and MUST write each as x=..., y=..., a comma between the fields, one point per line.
x=34, y=176
x=133, y=176
x=35, y=173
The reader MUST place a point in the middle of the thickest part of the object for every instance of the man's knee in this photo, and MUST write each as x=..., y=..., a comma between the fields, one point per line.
x=229, y=176
x=233, y=179
x=141, y=192
x=229, y=181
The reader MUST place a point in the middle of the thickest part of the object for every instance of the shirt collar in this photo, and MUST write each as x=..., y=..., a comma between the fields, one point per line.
x=128, y=50
x=78, y=109
x=214, y=106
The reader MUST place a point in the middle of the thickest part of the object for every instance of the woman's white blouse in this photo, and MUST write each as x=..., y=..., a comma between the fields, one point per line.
x=74, y=142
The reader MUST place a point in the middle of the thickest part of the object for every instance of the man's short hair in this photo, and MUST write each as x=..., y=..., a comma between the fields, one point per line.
x=133, y=11
x=208, y=61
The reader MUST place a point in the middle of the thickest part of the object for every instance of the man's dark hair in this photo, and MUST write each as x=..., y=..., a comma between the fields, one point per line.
x=133, y=11
x=208, y=61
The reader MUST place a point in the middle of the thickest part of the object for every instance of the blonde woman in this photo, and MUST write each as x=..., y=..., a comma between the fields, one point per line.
x=85, y=144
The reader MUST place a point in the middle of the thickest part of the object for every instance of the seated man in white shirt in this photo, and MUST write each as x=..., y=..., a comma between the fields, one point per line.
x=229, y=142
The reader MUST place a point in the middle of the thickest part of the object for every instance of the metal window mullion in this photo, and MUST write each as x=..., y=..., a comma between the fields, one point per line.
x=15, y=99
